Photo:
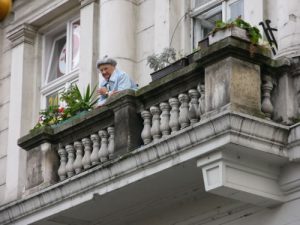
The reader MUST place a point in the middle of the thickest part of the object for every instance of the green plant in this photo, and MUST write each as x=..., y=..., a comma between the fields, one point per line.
x=157, y=62
x=76, y=102
x=252, y=32
x=54, y=114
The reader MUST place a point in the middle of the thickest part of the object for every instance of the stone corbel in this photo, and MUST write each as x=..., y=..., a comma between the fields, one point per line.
x=24, y=33
x=241, y=178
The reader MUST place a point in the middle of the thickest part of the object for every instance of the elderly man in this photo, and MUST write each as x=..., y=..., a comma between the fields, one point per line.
x=114, y=80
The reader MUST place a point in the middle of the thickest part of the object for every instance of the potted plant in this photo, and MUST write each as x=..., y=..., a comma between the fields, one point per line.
x=75, y=102
x=165, y=63
x=237, y=28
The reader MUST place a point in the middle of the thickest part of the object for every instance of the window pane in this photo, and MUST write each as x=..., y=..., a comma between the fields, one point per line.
x=52, y=99
x=209, y=23
x=58, y=59
x=236, y=9
x=204, y=24
x=75, y=44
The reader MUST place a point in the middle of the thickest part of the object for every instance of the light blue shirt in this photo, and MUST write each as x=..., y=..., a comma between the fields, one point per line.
x=118, y=81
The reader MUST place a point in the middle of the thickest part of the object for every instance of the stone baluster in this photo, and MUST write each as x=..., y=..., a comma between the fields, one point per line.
x=165, y=118
x=146, y=133
x=78, y=160
x=71, y=156
x=201, y=90
x=193, y=110
x=103, y=152
x=174, y=115
x=267, y=87
x=184, y=111
x=62, y=173
x=86, y=160
x=155, y=129
x=94, y=156
x=111, y=142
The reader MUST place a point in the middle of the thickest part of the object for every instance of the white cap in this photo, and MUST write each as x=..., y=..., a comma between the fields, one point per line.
x=106, y=60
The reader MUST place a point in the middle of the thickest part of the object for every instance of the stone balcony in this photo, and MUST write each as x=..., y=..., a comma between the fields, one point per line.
x=219, y=119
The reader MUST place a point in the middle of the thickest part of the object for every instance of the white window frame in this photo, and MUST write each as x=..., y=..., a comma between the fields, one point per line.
x=209, y=9
x=71, y=75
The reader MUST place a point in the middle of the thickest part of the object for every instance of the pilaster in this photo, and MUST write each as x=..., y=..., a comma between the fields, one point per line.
x=21, y=105
x=89, y=42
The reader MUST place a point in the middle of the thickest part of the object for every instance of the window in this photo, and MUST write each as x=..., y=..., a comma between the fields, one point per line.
x=207, y=12
x=61, y=59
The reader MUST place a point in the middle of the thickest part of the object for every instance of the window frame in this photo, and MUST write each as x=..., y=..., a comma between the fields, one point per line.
x=72, y=74
x=207, y=10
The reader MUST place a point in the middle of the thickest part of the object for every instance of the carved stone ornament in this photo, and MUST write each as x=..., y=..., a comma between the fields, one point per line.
x=24, y=33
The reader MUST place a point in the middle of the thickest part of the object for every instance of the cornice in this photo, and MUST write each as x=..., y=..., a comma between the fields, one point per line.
x=24, y=33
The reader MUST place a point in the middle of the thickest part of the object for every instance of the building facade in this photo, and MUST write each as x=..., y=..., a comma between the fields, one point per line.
x=215, y=142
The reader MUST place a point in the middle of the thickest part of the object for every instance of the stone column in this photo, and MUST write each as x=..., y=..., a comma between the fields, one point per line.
x=89, y=38
x=235, y=84
x=161, y=25
x=180, y=26
x=118, y=26
x=288, y=28
x=21, y=105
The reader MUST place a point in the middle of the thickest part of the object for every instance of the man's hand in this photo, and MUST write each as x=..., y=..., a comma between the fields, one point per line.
x=102, y=91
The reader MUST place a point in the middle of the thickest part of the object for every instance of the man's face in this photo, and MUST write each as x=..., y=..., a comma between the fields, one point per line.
x=106, y=70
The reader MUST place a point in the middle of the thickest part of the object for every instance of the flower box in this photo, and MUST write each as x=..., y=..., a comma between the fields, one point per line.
x=233, y=31
x=169, y=69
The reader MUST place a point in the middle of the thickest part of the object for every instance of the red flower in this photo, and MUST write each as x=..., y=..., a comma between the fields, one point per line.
x=61, y=109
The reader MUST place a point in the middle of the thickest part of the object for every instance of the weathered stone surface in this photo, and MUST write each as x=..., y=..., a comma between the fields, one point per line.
x=235, y=82
x=127, y=122
x=34, y=168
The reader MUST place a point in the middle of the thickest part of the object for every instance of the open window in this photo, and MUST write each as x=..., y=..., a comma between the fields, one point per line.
x=61, y=59
x=206, y=12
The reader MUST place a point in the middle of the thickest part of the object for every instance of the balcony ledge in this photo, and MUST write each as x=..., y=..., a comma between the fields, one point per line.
x=238, y=133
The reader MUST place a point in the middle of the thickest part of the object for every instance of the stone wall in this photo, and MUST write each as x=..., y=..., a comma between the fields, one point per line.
x=5, y=63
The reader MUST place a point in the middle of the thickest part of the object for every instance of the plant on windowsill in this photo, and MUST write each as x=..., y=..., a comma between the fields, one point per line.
x=238, y=28
x=76, y=103
x=165, y=63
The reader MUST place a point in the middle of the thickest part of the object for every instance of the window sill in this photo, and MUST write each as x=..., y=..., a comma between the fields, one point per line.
x=57, y=83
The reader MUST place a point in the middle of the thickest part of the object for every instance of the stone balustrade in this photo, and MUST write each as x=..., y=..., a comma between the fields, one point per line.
x=170, y=116
x=85, y=153
x=222, y=77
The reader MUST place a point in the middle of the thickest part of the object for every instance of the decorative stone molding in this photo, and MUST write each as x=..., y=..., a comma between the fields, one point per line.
x=24, y=33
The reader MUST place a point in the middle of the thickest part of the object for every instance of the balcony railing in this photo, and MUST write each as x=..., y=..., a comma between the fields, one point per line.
x=223, y=76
